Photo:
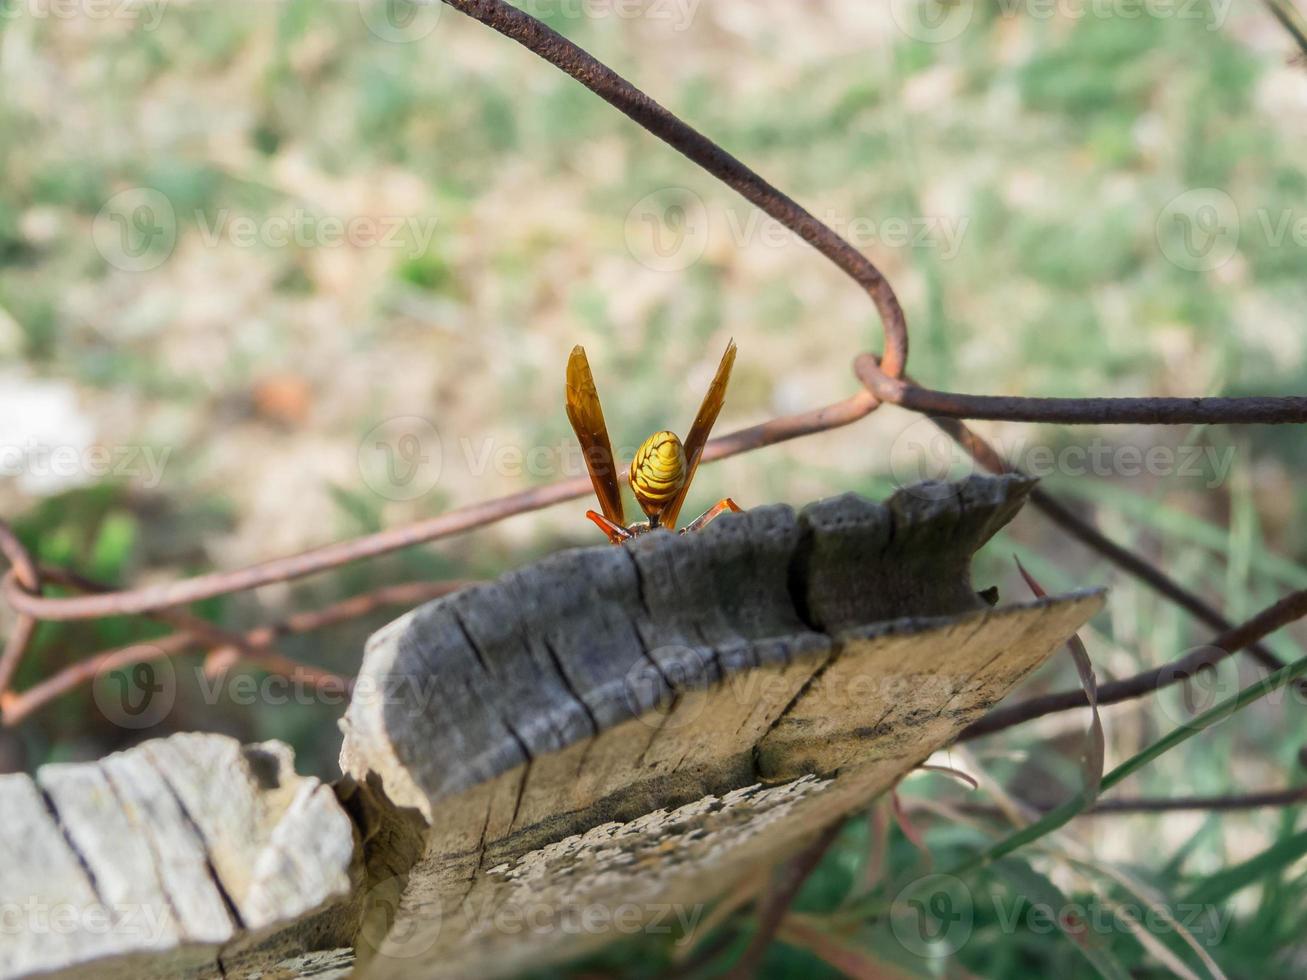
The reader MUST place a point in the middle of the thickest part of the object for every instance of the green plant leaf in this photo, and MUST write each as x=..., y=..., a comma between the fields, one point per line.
x=1036, y=889
x=1275, y=859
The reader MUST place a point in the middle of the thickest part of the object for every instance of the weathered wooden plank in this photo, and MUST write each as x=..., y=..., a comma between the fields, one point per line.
x=177, y=857
x=600, y=742
x=810, y=659
x=610, y=872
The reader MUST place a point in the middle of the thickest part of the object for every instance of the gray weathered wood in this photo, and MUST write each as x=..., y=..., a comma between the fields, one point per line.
x=713, y=700
x=157, y=860
x=601, y=742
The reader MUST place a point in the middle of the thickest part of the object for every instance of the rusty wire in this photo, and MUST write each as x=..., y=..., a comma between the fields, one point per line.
x=1070, y=522
x=1275, y=616
x=884, y=379
x=1078, y=411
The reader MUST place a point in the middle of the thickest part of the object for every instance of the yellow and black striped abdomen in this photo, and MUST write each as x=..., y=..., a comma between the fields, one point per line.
x=658, y=472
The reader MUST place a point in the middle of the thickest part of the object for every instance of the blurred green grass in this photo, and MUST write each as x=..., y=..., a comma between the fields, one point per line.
x=1059, y=141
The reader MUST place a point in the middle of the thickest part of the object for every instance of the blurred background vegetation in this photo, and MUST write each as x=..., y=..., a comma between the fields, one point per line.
x=1033, y=181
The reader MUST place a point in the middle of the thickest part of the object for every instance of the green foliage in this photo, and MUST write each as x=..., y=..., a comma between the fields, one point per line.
x=1093, y=247
x=1063, y=288
x=1101, y=68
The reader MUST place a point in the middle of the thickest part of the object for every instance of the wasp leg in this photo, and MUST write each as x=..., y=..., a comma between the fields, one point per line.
x=616, y=533
x=721, y=507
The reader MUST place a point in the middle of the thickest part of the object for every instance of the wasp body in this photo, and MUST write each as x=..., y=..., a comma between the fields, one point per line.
x=663, y=466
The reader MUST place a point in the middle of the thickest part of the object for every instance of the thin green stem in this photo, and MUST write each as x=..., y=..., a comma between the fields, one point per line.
x=1067, y=811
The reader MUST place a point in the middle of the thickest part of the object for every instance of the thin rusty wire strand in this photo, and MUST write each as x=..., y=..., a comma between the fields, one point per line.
x=15, y=708
x=1066, y=519
x=1274, y=617
x=643, y=110
x=1150, y=575
x=1079, y=528
x=602, y=80
x=778, y=430
x=192, y=631
x=1123, y=558
x=458, y=521
x=775, y=904
x=25, y=572
x=1079, y=411
x=617, y=91
x=1173, y=804
x=405, y=594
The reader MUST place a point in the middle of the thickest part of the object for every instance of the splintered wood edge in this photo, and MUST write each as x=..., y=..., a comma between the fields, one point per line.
x=608, y=830
x=176, y=857
x=193, y=856
x=548, y=657
x=779, y=701
x=579, y=700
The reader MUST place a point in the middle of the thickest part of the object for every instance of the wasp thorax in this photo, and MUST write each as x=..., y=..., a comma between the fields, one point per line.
x=658, y=472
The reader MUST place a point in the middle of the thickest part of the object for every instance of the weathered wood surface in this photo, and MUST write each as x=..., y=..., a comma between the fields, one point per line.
x=150, y=862
x=598, y=743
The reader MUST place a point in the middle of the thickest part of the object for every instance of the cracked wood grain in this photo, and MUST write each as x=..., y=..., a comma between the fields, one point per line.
x=622, y=714
x=599, y=743
x=178, y=857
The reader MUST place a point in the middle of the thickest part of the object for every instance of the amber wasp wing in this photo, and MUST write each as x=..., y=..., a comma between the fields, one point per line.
x=587, y=418
x=698, y=436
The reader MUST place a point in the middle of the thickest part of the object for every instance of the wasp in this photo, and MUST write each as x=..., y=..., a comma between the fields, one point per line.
x=663, y=466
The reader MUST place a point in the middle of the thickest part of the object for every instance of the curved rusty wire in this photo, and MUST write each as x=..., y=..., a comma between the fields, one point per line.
x=1274, y=617
x=1079, y=411
x=865, y=367
x=25, y=573
x=884, y=380
x=255, y=646
x=643, y=110
x=446, y=525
